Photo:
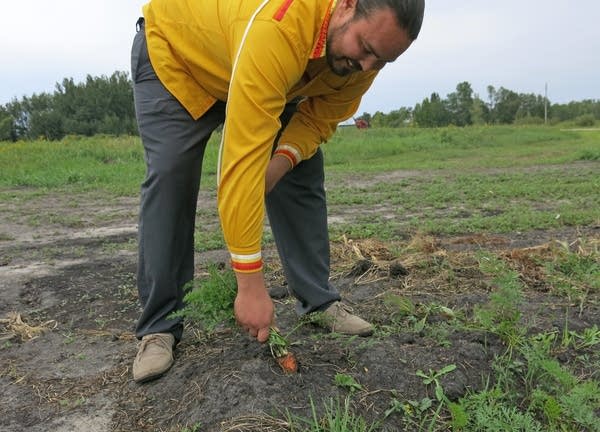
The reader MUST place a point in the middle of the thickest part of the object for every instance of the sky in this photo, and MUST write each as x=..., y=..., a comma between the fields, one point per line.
x=521, y=45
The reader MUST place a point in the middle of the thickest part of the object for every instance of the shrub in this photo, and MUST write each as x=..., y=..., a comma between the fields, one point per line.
x=585, y=120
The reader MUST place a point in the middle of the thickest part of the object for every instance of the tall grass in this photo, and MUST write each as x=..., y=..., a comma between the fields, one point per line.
x=108, y=164
x=462, y=148
x=116, y=165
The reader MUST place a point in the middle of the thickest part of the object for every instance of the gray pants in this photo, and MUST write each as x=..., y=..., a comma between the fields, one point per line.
x=174, y=145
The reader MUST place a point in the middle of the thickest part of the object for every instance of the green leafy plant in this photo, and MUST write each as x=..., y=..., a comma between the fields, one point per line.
x=209, y=302
x=433, y=377
x=348, y=382
x=414, y=412
x=501, y=315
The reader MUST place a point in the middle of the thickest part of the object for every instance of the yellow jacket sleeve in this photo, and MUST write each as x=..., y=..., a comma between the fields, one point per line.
x=317, y=118
x=266, y=64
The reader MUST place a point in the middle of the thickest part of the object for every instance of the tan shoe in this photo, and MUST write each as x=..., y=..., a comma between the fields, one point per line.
x=154, y=357
x=340, y=320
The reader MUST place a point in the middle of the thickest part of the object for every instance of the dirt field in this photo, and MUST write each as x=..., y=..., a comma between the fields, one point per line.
x=67, y=268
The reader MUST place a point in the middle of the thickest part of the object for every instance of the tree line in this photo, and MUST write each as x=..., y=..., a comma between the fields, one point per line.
x=502, y=106
x=99, y=105
x=104, y=105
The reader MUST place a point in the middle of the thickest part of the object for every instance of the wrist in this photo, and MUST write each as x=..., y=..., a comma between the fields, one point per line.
x=290, y=153
x=250, y=282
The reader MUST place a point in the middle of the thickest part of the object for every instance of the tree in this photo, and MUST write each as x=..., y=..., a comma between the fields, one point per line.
x=480, y=113
x=460, y=104
x=7, y=130
x=46, y=124
x=507, y=103
x=432, y=112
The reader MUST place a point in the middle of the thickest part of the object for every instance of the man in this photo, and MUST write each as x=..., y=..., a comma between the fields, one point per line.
x=196, y=65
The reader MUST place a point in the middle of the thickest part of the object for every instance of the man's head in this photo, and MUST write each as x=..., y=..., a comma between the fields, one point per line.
x=367, y=34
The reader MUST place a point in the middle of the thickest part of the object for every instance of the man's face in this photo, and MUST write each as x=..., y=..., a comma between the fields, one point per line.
x=367, y=43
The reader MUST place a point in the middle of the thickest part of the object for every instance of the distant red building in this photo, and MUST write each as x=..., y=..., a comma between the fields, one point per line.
x=361, y=123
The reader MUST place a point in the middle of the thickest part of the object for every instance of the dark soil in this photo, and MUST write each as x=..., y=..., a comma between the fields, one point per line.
x=78, y=282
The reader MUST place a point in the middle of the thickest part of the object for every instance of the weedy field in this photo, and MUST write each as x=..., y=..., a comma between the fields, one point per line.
x=476, y=253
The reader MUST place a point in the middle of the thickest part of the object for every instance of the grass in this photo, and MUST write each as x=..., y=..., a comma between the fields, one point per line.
x=451, y=148
x=449, y=181
x=338, y=417
x=116, y=164
x=457, y=180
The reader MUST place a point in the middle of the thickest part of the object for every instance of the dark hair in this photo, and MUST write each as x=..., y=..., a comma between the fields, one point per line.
x=409, y=13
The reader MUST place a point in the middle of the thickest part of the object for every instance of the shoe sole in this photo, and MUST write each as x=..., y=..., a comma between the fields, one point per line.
x=153, y=376
x=149, y=378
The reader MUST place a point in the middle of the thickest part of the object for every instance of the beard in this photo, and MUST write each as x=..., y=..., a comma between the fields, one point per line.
x=339, y=64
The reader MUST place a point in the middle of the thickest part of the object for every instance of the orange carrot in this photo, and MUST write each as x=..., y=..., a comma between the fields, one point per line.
x=288, y=363
x=278, y=345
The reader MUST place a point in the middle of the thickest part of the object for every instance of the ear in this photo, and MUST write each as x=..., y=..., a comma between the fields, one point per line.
x=346, y=7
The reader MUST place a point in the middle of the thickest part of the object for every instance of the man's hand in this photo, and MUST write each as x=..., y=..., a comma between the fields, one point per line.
x=253, y=306
x=278, y=166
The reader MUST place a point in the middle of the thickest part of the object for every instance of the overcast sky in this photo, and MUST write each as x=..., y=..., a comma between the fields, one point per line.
x=516, y=44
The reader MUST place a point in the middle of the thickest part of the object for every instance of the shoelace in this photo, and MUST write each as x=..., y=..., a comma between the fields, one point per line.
x=342, y=310
x=154, y=339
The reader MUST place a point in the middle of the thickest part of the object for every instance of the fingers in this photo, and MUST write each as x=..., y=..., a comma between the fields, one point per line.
x=263, y=334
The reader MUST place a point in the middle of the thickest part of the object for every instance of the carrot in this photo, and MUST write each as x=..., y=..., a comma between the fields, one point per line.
x=278, y=345
x=288, y=363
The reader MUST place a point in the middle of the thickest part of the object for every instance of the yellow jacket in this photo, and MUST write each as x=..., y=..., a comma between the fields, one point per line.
x=256, y=55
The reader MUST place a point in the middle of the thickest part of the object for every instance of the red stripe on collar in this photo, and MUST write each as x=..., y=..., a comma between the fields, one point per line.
x=319, y=48
x=282, y=10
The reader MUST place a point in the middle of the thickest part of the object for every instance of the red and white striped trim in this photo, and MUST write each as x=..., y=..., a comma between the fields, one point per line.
x=289, y=152
x=247, y=263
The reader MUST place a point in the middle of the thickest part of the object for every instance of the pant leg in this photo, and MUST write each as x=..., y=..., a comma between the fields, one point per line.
x=297, y=213
x=174, y=146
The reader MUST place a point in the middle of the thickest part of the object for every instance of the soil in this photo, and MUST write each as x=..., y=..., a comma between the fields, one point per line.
x=67, y=271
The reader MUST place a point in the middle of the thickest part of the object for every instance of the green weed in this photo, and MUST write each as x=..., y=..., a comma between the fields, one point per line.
x=502, y=314
x=348, y=382
x=209, y=302
x=574, y=274
x=532, y=390
x=338, y=417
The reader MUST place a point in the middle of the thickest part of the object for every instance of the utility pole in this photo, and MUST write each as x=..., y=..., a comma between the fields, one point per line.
x=546, y=104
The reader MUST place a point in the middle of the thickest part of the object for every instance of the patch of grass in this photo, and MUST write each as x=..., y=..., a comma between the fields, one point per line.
x=365, y=227
x=111, y=247
x=338, y=417
x=79, y=164
x=471, y=202
x=6, y=237
x=574, y=274
x=56, y=219
x=209, y=302
x=406, y=315
x=347, y=382
x=533, y=392
x=206, y=240
x=453, y=148
x=194, y=428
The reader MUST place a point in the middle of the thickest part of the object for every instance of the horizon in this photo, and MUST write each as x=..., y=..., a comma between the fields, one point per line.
x=462, y=41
